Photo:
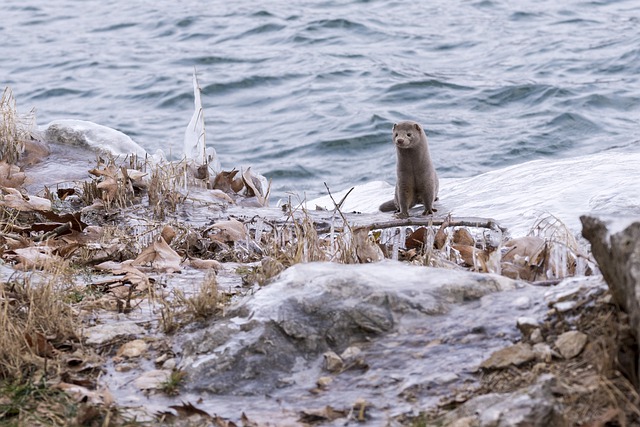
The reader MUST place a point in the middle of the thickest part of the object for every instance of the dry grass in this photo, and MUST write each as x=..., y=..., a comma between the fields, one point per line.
x=184, y=309
x=14, y=129
x=34, y=320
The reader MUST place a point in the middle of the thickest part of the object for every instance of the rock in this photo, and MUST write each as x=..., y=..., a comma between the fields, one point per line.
x=571, y=343
x=132, y=349
x=152, y=379
x=332, y=362
x=532, y=407
x=101, y=334
x=536, y=336
x=312, y=311
x=324, y=382
x=170, y=364
x=615, y=244
x=516, y=355
x=350, y=353
x=526, y=325
x=543, y=352
x=522, y=303
x=465, y=422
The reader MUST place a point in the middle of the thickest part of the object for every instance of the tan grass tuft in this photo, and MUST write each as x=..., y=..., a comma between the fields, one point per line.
x=14, y=130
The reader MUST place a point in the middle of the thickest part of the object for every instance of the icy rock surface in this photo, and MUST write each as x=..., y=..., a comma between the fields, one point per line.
x=419, y=330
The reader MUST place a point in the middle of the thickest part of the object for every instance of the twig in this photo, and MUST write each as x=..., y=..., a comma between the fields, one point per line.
x=58, y=231
x=338, y=205
x=427, y=221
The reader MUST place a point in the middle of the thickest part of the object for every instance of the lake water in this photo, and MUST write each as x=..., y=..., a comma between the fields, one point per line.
x=307, y=92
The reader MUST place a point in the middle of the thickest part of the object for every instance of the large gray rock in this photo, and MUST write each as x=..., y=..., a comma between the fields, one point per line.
x=277, y=337
x=615, y=244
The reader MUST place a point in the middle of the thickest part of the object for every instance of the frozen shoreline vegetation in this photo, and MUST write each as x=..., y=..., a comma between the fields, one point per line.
x=146, y=290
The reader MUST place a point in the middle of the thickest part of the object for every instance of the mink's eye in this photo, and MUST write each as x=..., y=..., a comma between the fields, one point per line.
x=409, y=134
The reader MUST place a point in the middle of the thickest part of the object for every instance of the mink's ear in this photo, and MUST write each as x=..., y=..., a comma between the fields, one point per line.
x=394, y=126
x=417, y=127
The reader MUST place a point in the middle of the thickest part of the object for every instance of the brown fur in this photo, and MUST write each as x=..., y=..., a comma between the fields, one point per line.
x=417, y=181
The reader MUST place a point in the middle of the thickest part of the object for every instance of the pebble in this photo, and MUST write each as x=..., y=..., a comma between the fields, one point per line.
x=571, y=343
x=517, y=355
x=332, y=362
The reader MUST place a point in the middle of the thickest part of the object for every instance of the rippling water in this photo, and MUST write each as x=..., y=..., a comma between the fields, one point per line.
x=306, y=92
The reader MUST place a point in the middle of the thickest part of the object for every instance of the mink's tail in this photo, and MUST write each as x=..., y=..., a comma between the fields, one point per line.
x=389, y=206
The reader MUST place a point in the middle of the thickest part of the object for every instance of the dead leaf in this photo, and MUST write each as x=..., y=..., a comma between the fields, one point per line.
x=74, y=218
x=109, y=189
x=224, y=181
x=11, y=175
x=204, y=264
x=324, y=414
x=524, y=257
x=473, y=257
x=366, y=249
x=12, y=198
x=63, y=193
x=160, y=255
x=33, y=257
x=254, y=188
x=40, y=345
x=219, y=194
x=83, y=394
x=440, y=239
x=416, y=240
x=188, y=409
x=168, y=233
x=462, y=236
x=228, y=231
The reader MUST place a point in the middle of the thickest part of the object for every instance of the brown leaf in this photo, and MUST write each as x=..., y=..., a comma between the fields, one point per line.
x=74, y=218
x=39, y=344
x=33, y=257
x=110, y=171
x=462, y=236
x=416, y=240
x=12, y=198
x=109, y=188
x=524, y=258
x=63, y=193
x=204, y=264
x=188, y=409
x=168, y=233
x=228, y=231
x=324, y=414
x=473, y=257
x=160, y=255
x=246, y=422
x=440, y=238
x=82, y=394
x=11, y=175
x=224, y=181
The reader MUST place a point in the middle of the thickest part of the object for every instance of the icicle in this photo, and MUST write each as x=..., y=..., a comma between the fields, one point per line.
x=563, y=260
x=259, y=227
x=396, y=246
x=332, y=236
x=581, y=266
x=403, y=237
